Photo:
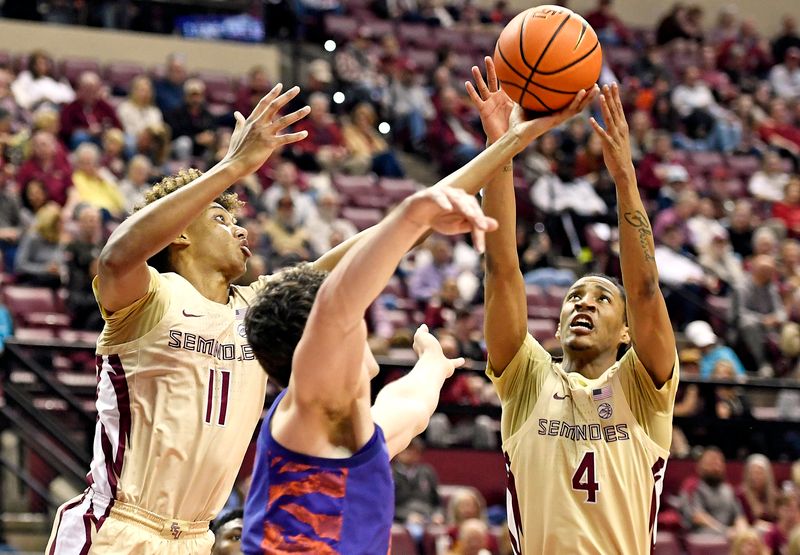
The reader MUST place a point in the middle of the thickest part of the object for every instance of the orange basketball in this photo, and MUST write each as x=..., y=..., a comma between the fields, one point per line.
x=545, y=55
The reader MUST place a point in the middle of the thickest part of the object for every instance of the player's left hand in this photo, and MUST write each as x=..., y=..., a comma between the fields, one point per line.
x=616, y=137
x=449, y=211
x=425, y=344
x=493, y=104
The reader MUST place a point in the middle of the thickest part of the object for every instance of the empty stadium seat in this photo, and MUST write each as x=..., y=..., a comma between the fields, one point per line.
x=402, y=542
x=120, y=74
x=667, y=544
x=542, y=330
x=341, y=26
x=79, y=336
x=419, y=35
x=23, y=301
x=71, y=68
x=706, y=544
x=362, y=218
x=397, y=189
x=743, y=166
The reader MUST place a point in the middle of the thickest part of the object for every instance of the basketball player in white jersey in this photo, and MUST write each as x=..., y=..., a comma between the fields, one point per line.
x=586, y=439
x=179, y=390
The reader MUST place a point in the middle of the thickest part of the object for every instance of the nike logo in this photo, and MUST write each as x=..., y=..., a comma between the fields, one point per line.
x=558, y=397
x=191, y=315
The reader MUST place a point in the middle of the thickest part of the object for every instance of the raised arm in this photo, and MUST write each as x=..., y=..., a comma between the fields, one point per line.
x=506, y=321
x=404, y=407
x=327, y=364
x=122, y=271
x=650, y=327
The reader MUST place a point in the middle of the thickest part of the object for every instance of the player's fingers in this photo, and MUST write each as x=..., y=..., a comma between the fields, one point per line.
x=457, y=362
x=480, y=84
x=262, y=105
x=491, y=74
x=574, y=106
x=479, y=240
x=277, y=104
x=599, y=130
x=591, y=94
x=440, y=198
x=608, y=119
x=619, y=110
x=240, y=119
x=290, y=138
x=473, y=94
x=285, y=121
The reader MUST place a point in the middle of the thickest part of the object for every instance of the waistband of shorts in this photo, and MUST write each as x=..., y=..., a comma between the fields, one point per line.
x=168, y=528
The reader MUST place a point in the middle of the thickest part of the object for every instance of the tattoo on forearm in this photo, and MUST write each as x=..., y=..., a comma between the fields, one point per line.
x=639, y=221
x=507, y=167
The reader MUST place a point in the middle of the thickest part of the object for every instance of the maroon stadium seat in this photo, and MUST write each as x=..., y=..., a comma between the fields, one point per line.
x=422, y=36
x=706, y=544
x=483, y=42
x=71, y=68
x=341, y=26
x=219, y=89
x=23, y=301
x=120, y=74
x=362, y=218
x=398, y=189
x=34, y=334
x=55, y=320
x=78, y=336
x=667, y=544
x=542, y=330
x=425, y=59
x=743, y=166
x=380, y=27
x=402, y=542
x=351, y=186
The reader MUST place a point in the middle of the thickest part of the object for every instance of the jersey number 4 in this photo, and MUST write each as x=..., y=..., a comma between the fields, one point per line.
x=584, y=478
x=219, y=384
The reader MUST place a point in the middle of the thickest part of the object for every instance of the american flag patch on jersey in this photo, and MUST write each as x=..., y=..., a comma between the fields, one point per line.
x=239, y=313
x=602, y=393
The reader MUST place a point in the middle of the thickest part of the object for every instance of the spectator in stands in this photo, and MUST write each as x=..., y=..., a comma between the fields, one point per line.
x=410, y=105
x=609, y=27
x=540, y=158
x=794, y=542
x=37, y=84
x=467, y=504
x=741, y=228
x=136, y=181
x=680, y=23
x=6, y=327
x=11, y=223
x=757, y=493
x=251, y=91
x=39, y=255
x=288, y=240
x=704, y=225
x=323, y=148
x=19, y=116
x=155, y=142
x=729, y=401
x=655, y=168
x=451, y=137
x=114, y=157
x=709, y=503
x=768, y=183
x=80, y=259
x=319, y=79
x=328, y=222
x=368, y=151
x=192, y=124
x=287, y=184
x=472, y=538
x=33, y=197
x=758, y=311
x=47, y=166
x=787, y=38
x=747, y=542
x=89, y=115
x=427, y=278
x=95, y=184
x=700, y=334
x=227, y=531
x=727, y=26
x=416, y=499
x=779, y=129
x=788, y=509
x=753, y=50
x=787, y=210
x=785, y=77
x=678, y=217
x=719, y=260
x=169, y=90
x=139, y=111
x=441, y=308
x=357, y=65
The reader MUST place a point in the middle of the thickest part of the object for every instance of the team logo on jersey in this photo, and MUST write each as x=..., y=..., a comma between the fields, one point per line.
x=240, y=330
x=605, y=411
x=176, y=530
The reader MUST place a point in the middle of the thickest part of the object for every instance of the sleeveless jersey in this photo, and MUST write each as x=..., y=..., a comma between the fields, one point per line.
x=585, y=459
x=303, y=504
x=179, y=394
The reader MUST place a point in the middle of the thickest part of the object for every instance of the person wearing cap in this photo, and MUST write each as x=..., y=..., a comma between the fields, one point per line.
x=785, y=77
x=700, y=334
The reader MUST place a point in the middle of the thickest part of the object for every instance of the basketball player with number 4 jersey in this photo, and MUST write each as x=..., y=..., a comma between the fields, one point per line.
x=179, y=390
x=585, y=439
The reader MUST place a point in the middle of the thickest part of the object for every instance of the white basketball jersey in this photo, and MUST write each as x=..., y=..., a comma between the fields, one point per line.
x=585, y=459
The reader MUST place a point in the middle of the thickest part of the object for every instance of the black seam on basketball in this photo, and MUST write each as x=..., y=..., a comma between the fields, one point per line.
x=544, y=51
x=534, y=95
x=522, y=55
x=569, y=65
x=554, y=90
x=511, y=67
x=509, y=84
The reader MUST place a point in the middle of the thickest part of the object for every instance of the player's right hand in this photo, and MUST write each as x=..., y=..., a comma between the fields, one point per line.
x=255, y=138
x=492, y=103
x=425, y=344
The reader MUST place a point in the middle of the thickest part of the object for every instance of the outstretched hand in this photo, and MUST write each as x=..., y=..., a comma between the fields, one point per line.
x=615, y=138
x=427, y=344
x=450, y=211
x=255, y=138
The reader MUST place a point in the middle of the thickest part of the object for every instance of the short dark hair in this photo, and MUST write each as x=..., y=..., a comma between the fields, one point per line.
x=277, y=317
x=225, y=518
x=229, y=201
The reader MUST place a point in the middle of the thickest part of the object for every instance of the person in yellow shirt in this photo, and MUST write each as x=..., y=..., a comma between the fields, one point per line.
x=94, y=184
x=585, y=438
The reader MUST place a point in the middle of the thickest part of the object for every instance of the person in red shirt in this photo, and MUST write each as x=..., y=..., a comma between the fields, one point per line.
x=88, y=116
x=779, y=129
x=788, y=210
x=788, y=518
x=48, y=165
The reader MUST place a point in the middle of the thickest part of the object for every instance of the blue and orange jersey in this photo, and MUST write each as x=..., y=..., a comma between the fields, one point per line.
x=303, y=504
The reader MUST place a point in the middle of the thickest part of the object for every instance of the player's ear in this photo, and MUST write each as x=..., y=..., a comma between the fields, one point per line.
x=558, y=331
x=625, y=335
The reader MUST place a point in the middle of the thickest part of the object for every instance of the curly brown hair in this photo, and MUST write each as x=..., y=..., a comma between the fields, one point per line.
x=170, y=184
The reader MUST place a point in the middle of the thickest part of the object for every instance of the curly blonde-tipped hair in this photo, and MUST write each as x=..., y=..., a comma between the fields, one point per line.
x=229, y=201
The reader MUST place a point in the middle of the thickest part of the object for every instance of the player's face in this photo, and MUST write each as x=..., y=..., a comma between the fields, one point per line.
x=592, y=317
x=218, y=242
x=228, y=538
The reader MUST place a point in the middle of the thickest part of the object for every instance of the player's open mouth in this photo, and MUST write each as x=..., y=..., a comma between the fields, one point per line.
x=246, y=251
x=581, y=324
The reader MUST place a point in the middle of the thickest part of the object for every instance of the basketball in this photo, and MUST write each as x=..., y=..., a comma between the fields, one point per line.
x=545, y=55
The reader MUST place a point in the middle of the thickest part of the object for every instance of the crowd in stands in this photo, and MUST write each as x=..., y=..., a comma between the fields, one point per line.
x=714, y=112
